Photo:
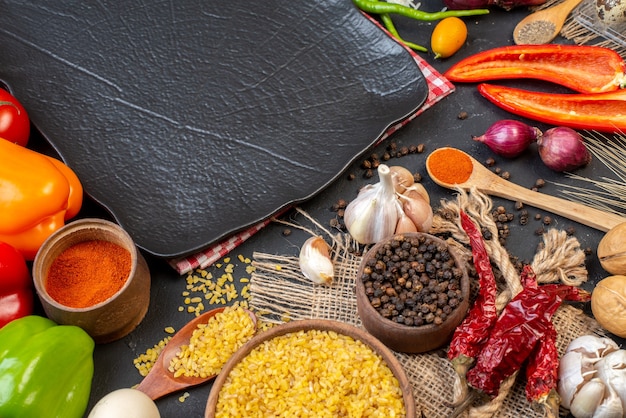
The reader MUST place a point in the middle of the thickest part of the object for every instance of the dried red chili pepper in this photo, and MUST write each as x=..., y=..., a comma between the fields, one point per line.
x=470, y=336
x=542, y=372
x=604, y=112
x=524, y=326
x=583, y=68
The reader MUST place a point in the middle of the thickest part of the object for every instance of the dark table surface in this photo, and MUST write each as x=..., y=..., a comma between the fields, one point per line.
x=438, y=126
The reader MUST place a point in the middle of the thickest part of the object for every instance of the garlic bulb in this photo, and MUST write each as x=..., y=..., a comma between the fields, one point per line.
x=592, y=378
x=373, y=214
x=315, y=262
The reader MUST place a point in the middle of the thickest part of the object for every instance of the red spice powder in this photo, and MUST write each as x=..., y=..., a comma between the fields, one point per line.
x=88, y=273
x=450, y=166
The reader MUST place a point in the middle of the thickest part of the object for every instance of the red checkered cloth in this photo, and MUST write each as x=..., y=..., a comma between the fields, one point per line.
x=438, y=88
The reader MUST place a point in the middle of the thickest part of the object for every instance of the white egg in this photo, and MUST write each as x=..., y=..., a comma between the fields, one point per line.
x=125, y=403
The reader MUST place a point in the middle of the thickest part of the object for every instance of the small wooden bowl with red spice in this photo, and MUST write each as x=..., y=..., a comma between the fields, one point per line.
x=90, y=274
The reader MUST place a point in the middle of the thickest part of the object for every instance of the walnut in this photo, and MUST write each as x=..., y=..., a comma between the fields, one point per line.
x=612, y=250
x=608, y=304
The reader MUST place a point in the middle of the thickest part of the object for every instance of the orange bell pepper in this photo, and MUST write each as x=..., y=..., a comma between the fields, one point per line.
x=38, y=194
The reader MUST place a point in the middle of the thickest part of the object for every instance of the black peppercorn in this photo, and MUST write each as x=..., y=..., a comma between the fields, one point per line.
x=413, y=281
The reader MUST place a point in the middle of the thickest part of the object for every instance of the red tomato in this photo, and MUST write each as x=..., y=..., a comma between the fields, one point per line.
x=16, y=293
x=14, y=121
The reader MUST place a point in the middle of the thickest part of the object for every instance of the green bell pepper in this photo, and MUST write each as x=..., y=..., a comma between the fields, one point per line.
x=45, y=369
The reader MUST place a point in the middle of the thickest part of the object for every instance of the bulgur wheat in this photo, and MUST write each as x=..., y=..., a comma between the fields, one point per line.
x=213, y=343
x=311, y=373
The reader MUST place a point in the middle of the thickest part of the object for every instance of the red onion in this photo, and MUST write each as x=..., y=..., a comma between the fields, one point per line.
x=509, y=138
x=563, y=149
x=479, y=4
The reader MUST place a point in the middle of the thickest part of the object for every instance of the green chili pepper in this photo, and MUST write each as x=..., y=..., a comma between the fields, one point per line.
x=385, y=9
x=45, y=369
x=382, y=7
x=386, y=19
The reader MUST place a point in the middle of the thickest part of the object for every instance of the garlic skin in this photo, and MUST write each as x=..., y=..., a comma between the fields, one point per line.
x=593, y=346
x=592, y=378
x=373, y=214
x=315, y=261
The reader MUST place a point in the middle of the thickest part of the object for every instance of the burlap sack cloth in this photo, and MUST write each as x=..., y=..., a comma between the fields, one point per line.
x=280, y=292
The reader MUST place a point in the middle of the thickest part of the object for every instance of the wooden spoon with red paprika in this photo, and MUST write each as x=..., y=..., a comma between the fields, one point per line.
x=452, y=168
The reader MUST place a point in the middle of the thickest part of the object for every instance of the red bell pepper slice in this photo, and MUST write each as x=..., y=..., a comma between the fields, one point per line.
x=16, y=291
x=603, y=112
x=582, y=68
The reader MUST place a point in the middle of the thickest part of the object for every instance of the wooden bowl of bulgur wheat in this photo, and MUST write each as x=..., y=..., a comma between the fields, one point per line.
x=312, y=367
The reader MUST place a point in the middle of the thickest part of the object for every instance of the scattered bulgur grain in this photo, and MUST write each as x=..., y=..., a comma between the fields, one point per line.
x=144, y=362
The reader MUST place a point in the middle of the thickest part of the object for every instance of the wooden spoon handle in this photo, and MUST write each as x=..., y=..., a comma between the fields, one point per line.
x=580, y=213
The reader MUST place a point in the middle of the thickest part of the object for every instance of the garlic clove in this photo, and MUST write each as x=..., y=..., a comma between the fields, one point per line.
x=315, y=261
x=611, y=369
x=588, y=398
x=405, y=224
x=417, y=209
x=610, y=407
x=572, y=376
x=373, y=214
x=402, y=178
x=419, y=189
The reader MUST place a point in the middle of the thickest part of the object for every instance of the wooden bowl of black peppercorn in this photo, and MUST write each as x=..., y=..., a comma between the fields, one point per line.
x=412, y=291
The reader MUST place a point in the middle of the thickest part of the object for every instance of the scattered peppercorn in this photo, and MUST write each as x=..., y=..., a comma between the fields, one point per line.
x=369, y=173
x=462, y=115
x=505, y=175
x=540, y=183
x=570, y=231
x=286, y=232
x=547, y=220
x=490, y=162
x=351, y=176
